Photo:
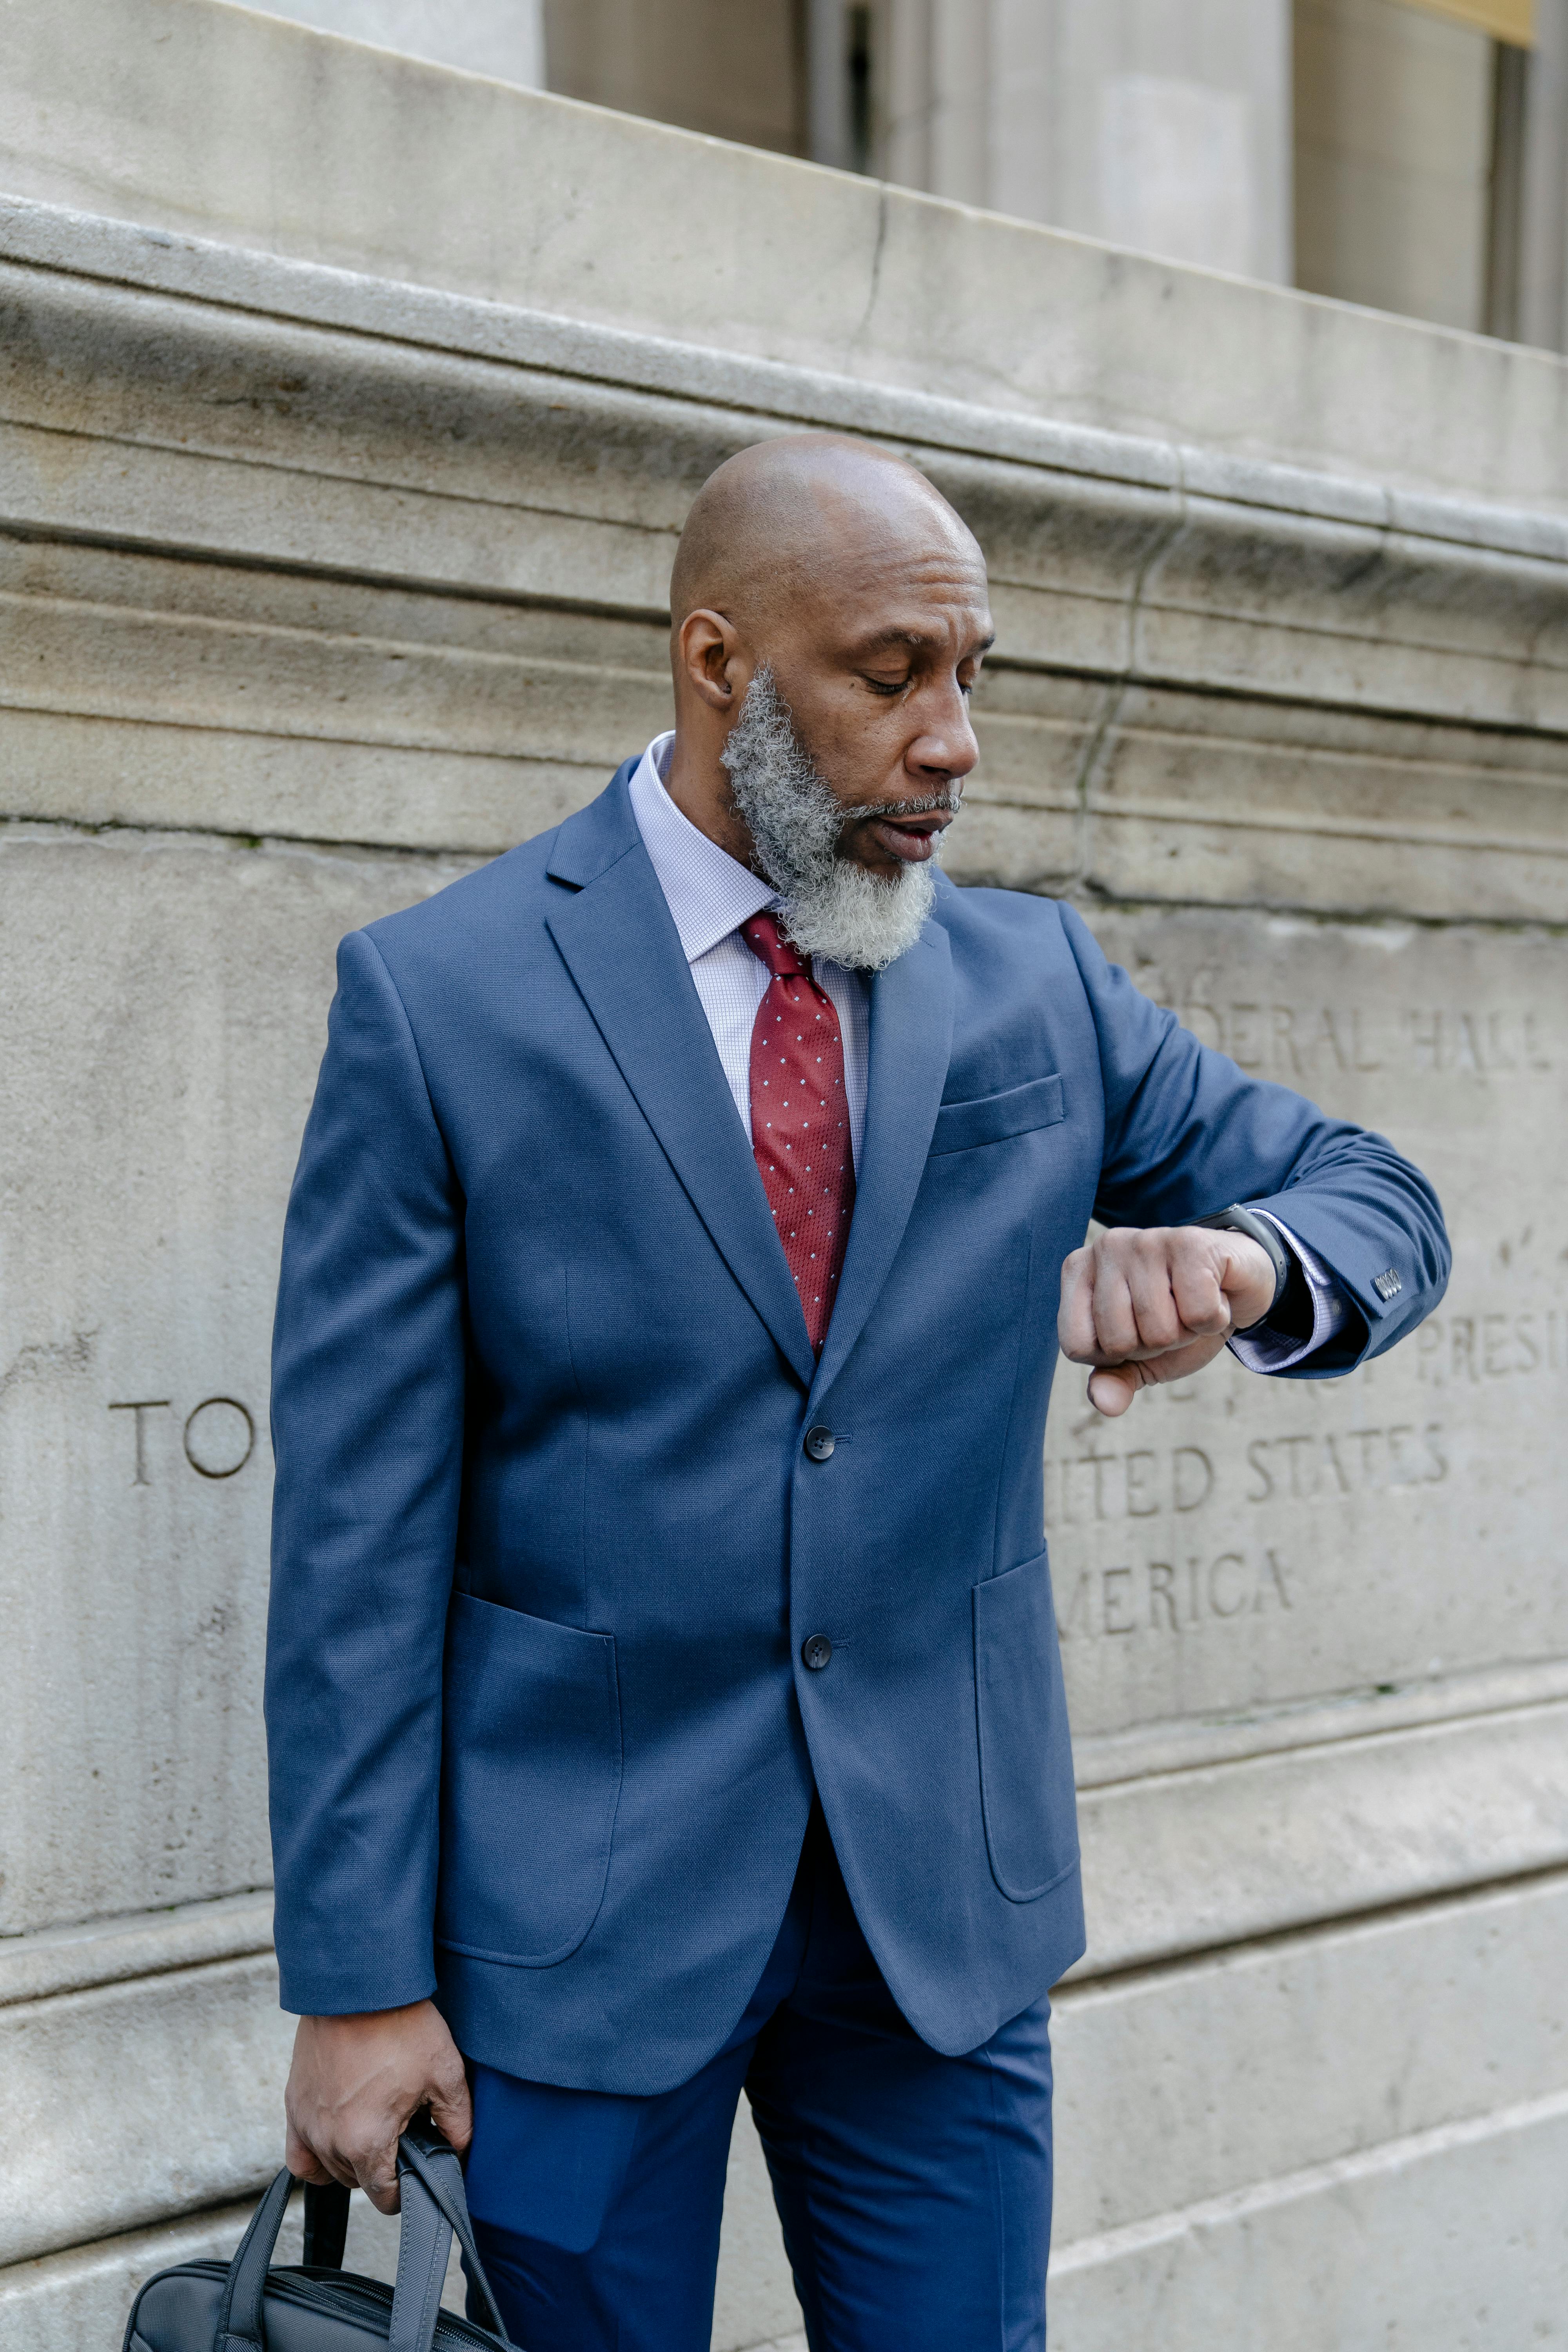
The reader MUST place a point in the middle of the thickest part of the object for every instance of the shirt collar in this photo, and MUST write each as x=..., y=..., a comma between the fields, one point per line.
x=710, y=893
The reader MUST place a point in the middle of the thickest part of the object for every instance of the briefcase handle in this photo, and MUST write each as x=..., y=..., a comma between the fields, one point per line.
x=326, y=2225
x=435, y=2210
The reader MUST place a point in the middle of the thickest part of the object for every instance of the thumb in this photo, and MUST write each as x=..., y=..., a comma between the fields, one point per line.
x=1112, y=1390
x=1112, y=1387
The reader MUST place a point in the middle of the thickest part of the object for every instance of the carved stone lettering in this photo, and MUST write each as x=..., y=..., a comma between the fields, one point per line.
x=1305, y=1045
x=218, y=1436
x=1104, y=1482
x=1463, y=1350
x=140, y=1407
x=216, y=1447
x=1305, y=1464
x=1181, y=1595
x=1102, y=1486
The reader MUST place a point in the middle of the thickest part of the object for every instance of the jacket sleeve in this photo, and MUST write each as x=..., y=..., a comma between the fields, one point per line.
x=367, y=1431
x=1187, y=1133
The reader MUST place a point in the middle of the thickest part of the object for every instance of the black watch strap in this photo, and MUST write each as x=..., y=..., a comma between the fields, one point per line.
x=1237, y=1219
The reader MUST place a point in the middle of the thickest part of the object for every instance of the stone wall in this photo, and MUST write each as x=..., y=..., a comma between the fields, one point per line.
x=331, y=568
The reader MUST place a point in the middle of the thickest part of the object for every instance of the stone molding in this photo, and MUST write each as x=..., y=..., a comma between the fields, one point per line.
x=1397, y=668
x=137, y=2101
x=55, y=1960
x=112, y=252
x=229, y=124
x=1104, y=1759
x=1180, y=1863
x=1198, y=1859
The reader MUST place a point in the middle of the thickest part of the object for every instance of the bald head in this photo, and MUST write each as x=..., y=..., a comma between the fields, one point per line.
x=782, y=520
x=830, y=620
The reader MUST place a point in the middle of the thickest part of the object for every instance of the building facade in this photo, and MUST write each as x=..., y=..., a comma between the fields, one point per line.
x=350, y=407
x=1408, y=154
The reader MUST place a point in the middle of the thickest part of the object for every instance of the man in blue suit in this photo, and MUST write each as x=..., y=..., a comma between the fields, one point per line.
x=663, y=1691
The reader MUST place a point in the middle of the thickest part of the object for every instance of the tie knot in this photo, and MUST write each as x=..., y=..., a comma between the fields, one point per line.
x=765, y=939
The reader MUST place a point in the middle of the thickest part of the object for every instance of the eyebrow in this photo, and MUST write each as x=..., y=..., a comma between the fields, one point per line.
x=918, y=640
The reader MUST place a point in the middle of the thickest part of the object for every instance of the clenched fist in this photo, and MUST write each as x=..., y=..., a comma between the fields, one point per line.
x=1157, y=1304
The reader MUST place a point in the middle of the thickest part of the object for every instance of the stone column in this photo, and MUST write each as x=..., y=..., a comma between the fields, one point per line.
x=1167, y=129
x=1542, y=265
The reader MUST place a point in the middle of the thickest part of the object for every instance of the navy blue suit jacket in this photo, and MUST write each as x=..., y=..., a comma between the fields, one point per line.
x=547, y=1542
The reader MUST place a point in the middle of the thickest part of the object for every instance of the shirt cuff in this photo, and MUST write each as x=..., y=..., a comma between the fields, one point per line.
x=1263, y=1350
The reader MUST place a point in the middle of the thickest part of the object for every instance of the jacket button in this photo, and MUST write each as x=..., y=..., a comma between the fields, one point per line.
x=818, y=1649
x=819, y=1446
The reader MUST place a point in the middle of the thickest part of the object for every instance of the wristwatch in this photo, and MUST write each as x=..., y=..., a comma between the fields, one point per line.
x=1237, y=1220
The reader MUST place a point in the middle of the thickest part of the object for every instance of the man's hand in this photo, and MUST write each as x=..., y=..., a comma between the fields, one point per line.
x=1157, y=1305
x=353, y=2085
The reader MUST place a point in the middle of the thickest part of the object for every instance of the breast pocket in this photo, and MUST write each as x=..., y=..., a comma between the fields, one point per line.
x=531, y=1779
x=993, y=1118
x=1025, y=1756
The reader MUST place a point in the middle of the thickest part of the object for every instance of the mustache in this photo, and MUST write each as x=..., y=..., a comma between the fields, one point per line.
x=946, y=803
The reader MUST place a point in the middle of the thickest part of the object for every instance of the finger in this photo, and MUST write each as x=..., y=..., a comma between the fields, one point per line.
x=1075, y=1322
x=1115, y=1324
x=1197, y=1261
x=377, y=2175
x=452, y=2111
x=303, y=2162
x=1154, y=1308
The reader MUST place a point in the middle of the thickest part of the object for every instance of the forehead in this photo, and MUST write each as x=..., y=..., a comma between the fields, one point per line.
x=924, y=578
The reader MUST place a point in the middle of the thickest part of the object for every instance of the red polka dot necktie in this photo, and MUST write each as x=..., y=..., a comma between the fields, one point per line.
x=800, y=1122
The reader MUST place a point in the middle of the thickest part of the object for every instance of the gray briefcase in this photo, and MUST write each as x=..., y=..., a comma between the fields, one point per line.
x=317, y=2306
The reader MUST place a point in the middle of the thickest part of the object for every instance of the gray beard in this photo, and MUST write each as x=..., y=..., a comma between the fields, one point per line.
x=829, y=906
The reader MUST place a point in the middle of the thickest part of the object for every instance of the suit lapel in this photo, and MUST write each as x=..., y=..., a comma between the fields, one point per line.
x=621, y=946
x=912, y=1045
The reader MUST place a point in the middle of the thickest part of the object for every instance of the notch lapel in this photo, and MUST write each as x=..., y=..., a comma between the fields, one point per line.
x=912, y=1045
x=620, y=944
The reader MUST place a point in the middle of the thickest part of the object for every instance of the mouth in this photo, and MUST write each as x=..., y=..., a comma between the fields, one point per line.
x=910, y=839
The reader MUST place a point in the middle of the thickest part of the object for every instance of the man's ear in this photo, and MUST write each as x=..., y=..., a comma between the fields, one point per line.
x=708, y=651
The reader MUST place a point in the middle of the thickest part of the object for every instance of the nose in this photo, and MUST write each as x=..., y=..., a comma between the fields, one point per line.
x=945, y=749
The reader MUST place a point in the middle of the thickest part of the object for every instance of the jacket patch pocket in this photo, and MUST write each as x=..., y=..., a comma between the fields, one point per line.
x=529, y=1781
x=992, y=1118
x=1025, y=1757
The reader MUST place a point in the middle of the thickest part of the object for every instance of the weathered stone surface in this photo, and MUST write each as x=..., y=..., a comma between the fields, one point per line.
x=382, y=586
x=1236, y=1541
x=1452, y=2237
x=166, y=1001
x=193, y=120
x=140, y=2100
x=1308, y=2049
